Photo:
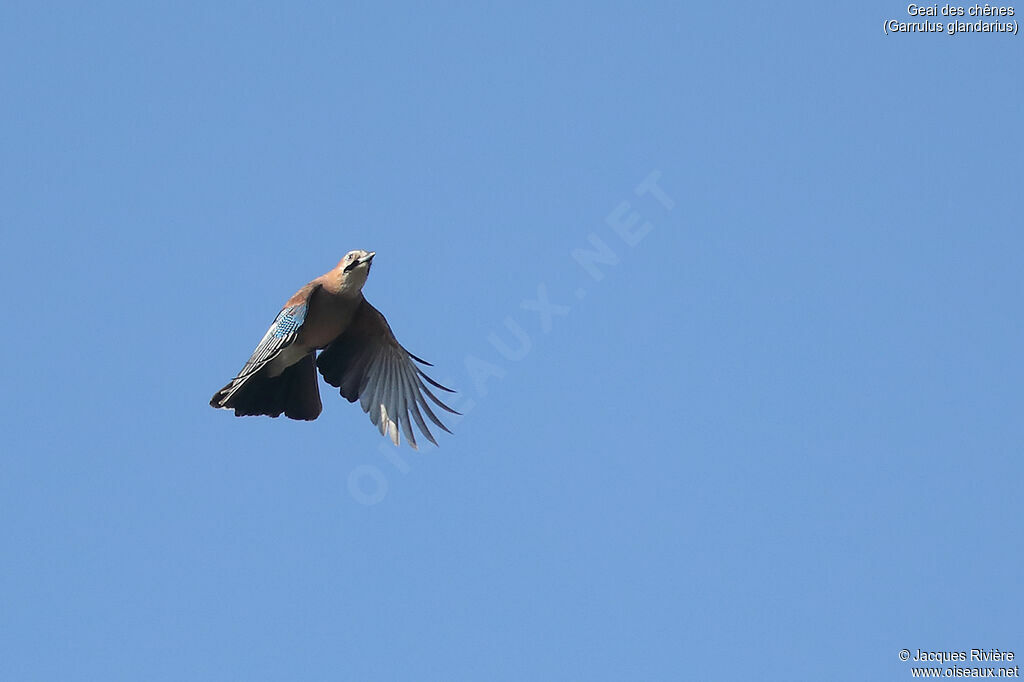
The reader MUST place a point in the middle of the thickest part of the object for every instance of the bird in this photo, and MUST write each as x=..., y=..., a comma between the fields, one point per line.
x=328, y=325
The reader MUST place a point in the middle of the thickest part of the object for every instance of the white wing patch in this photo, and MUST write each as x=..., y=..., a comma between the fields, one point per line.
x=388, y=427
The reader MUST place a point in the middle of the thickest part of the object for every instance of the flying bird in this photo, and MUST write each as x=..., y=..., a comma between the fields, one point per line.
x=359, y=355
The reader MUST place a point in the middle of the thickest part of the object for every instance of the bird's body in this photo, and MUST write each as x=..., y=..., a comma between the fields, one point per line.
x=360, y=355
x=325, y=320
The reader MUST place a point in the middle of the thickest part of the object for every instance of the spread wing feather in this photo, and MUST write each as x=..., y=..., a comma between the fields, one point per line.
x=366, y=363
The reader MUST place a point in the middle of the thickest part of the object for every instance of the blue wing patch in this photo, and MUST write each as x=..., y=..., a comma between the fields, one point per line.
x=282, y=333
x=289, y=320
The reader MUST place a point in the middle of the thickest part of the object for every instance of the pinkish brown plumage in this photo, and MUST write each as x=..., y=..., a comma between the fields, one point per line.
x=358, y=354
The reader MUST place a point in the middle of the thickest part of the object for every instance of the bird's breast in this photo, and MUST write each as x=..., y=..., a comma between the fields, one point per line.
x=325, y=322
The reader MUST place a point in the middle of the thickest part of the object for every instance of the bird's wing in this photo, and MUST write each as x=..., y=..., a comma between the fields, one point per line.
x=282, y=333
x=368, y=364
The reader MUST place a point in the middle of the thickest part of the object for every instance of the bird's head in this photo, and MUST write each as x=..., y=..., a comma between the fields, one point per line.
x=354, y=268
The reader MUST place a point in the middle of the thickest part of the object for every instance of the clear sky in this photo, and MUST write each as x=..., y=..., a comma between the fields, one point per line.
x=773, y=432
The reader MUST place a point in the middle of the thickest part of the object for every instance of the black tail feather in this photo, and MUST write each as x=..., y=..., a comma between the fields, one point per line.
x=294, y=392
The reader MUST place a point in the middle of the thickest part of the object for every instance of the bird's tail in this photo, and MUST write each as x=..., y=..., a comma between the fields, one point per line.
x=293, y=392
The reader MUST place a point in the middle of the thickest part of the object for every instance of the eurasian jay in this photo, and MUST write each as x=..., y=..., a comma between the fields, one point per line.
x=359, y=355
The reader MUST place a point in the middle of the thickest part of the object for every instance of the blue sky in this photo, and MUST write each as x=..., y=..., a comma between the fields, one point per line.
x=778, y=438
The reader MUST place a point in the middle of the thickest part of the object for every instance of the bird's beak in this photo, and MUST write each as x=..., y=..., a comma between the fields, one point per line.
x=368, y=257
